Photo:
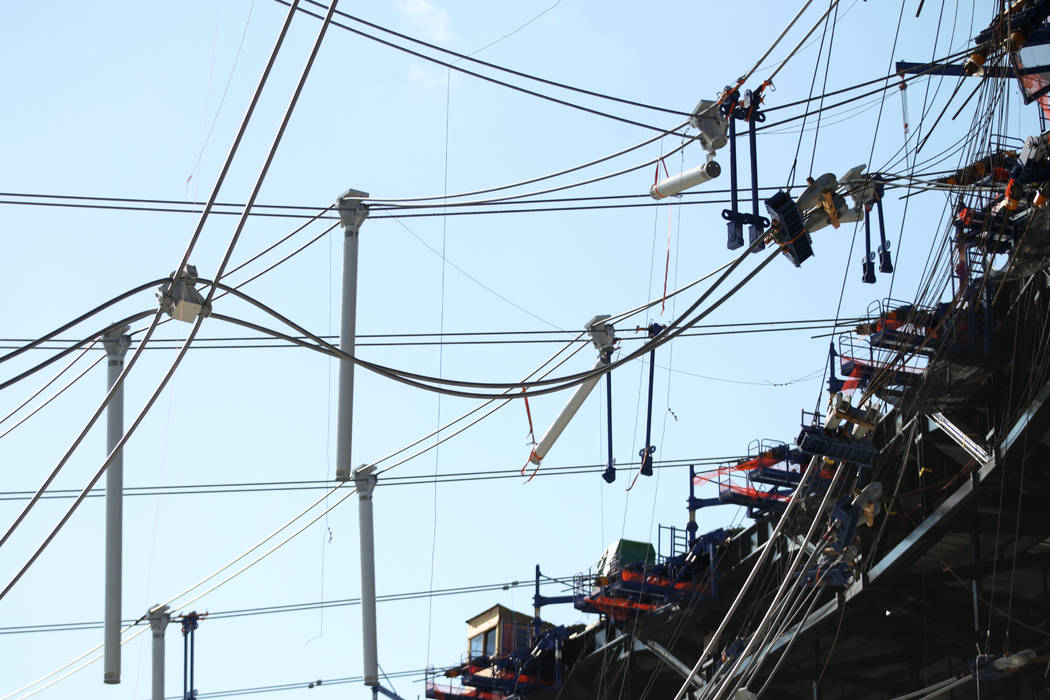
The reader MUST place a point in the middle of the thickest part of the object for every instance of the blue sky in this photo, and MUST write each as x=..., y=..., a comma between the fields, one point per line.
x=119, y=100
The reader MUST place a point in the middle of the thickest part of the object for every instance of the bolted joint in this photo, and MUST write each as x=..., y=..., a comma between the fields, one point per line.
x=116, y=341
x=365, y=480
x=352, y=210
x=159, y=617
x=603, y=335
x=179, y=297
x=190, y=622
x=711, y=123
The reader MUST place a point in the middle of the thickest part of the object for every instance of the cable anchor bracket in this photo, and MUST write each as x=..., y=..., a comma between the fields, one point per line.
x=745, y=108
x=180, y=298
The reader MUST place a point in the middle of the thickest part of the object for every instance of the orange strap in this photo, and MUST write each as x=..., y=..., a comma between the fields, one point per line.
x=635, y=479
x=528, y=414
x=532, y=475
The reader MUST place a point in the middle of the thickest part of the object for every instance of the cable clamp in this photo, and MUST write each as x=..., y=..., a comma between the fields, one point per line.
x=180, y=298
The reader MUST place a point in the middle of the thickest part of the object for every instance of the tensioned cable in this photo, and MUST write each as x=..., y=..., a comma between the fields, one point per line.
x=65, y=458
x=281, y=240
x=51, y=398
x=118, y=382
x=175, y=363
x=927, y=72
x=520, y=207
x=593, y=93
x=901, y=356
x=287, y=539
x=932, y=66
x=305, y=685
x=264, y=343
x=752, y=575
x=490, y=79
x=685, y=142
x=66, y=665
x=769, y=259
x=379, y=201
x=409, y=480
x=253, y=548
x=71, y=348
x=290, y=607
x=769, y=80
x=673, y=329
x=49, y=382
x=477, y=61
x=789, y=581
x=129, y=320
x=420, y=381
x=802, y=130
x=305, y=211
x=460, y=334
x=149, y=331
x=83, y=317
x=791, y=24
x=451, y=66
x=508, y=199
x=467, y=414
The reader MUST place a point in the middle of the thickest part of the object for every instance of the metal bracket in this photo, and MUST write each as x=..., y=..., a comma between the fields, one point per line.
x=352, y=210
x=365, y=480
x=603, y=335
x=179, y=298
x=746, y=110
x=116, y=341
x=711, y=124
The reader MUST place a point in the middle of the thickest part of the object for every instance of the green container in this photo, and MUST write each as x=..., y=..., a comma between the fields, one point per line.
x=624, y=552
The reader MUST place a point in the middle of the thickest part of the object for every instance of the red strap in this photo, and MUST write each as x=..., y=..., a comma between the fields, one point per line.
x=532, y=434
x=532, y=475
x=528, y=414
x=635, y=479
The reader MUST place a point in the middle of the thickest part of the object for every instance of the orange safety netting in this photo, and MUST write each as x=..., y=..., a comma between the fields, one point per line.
x=749, y=491
x=859, y=365
x=765, y=459
x=618, y=608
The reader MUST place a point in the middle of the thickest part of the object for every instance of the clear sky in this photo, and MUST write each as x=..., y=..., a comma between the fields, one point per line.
x=141, y=100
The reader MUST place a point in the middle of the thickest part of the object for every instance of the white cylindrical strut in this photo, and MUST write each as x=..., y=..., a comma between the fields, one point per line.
x=159, y=617
x=555, y=431
x=116, y=342
x=352, y=211
x=365, y=481
x=683, y=181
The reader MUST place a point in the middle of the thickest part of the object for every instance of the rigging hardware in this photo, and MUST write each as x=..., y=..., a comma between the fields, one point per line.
x=745, y=108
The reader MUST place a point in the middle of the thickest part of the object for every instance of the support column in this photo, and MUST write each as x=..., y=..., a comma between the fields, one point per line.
x=158, y=622
x=975, y=555
x=352, y=212
x=116, y=342
x=365, y=481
